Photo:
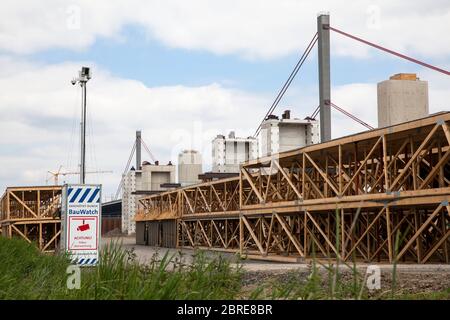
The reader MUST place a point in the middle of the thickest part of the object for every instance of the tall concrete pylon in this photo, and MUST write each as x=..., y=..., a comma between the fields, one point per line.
x=323, y=32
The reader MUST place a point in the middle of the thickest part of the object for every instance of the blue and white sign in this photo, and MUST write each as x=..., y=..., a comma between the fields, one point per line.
x=81, y=219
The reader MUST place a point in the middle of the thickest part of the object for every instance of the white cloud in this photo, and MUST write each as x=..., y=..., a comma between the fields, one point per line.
x=252, y=28
x=360, y=99
x=40, y=121
x=40, y=117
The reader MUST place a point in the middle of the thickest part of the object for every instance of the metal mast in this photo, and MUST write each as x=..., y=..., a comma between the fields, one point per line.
x=83, y=77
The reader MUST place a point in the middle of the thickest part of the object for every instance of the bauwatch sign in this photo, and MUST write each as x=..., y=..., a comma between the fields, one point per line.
x=81, y=218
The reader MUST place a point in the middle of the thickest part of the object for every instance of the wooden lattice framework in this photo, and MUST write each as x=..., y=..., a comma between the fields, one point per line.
x=33, y=214
x=380, y=195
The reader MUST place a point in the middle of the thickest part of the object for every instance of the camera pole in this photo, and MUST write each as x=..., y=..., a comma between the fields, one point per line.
x=83, y=78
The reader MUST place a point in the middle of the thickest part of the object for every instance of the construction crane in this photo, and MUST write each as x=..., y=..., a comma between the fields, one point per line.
x=59, y=173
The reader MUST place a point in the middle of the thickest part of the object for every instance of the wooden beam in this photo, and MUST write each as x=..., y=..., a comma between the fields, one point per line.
x=250, y=182
x=204, y=233
x=38, y=202
x=324, y=176
x=435, y=169
x=446, y=131
x=355, y=175
x=288, y=231
x=323, y=235
x=288, y=180
x=218, y=198
x=415, y=155
x=253, y=235
x=436, y=246
x=389, y=235
x=51, y=240
x=24, y=205
x=218, y=233
x=187, y=200
x=387, y=188
x=204, y=200
x=20, y=233
x=413, y=238
x=269, y=236
x=340, y=171
x=188, y=233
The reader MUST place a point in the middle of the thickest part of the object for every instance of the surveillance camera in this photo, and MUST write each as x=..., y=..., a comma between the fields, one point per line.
x=73, y=82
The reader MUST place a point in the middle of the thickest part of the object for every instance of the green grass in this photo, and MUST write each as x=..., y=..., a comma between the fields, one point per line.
x=440, y=295
x=25, y=273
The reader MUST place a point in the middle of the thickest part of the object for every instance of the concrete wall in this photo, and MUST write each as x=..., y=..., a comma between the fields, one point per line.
x=154, y=175
x=278, y=135
x=401, y=100
x=132, y=182
x=228, y=153
x=189, y=167
x=291, y=136
x=313, y=133
x=148, y=179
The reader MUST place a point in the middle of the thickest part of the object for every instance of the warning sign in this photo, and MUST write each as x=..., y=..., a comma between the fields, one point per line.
x=82, y=233
x=81, y=222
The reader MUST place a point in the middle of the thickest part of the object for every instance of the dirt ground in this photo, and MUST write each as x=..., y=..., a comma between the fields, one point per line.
x=411, y=278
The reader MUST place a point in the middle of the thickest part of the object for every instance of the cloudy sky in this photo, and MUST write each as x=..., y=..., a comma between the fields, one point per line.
x=184, y=71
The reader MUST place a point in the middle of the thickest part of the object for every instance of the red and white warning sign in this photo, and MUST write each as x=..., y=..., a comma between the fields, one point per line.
x=81, y=223
x=83, y=233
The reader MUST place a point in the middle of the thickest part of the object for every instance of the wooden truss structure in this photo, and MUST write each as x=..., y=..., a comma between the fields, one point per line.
x=380, y=195
x=32, y=213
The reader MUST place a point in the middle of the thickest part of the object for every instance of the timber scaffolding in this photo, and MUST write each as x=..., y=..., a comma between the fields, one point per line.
x=380, y=195
x=32, y=213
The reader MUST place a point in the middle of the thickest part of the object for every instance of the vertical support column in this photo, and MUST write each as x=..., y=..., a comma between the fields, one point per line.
x=441, y=168
x=41, y=241
x=389, y=234
x=241, y=235
x=178, y=232
x=385, y=166
x=443, y=225
x=340, y=170
x=325, y=187
x=240, y=188
x=38, y=204
x=8, y=205
x=417, y=224
x=303, y=176
x=211, y=232
x=305, y=234
x=343, y=241
x=323, y=31
x=138, y=150
x=413, y=166
x=226, y=233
